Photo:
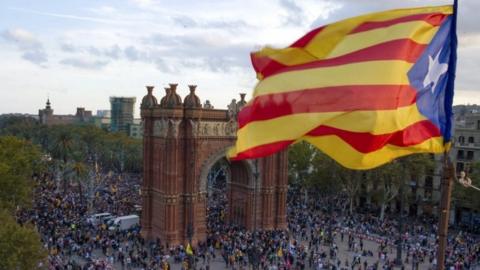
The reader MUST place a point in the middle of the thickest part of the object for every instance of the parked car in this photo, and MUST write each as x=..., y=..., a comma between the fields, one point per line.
x=124, y=223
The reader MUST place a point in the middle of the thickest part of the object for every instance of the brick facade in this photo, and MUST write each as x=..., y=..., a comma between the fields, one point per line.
x=182, y=141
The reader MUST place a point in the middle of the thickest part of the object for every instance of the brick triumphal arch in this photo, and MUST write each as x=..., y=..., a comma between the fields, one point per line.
x=182, y=141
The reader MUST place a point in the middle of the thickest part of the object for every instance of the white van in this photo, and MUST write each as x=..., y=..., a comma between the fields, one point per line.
x=99, y=218
x=124, y=223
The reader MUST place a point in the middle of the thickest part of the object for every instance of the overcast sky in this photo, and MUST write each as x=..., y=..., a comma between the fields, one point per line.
x=80, y=52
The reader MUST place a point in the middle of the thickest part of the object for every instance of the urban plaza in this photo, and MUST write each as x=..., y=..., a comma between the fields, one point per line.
x=273, y=135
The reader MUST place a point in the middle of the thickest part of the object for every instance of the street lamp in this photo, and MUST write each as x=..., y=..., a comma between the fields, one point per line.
x=254, y=252
x=398, y=260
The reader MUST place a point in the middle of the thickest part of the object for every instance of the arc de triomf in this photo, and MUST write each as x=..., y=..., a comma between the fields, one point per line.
x=182, y=141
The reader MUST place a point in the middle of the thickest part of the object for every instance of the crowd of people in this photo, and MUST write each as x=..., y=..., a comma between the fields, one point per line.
x=321, y=234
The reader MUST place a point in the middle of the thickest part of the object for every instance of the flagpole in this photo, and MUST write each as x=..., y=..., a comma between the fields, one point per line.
x=255, y=256
x=448, y=168
x=446, y=196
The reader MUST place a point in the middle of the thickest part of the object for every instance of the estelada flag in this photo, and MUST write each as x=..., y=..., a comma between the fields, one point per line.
x=365, y=90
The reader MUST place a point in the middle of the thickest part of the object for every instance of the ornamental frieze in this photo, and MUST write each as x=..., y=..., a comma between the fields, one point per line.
x=215, y=129
x=164, y=128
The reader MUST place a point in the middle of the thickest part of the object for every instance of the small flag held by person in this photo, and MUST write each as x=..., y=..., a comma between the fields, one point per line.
x=189, y=250
x=280, y=252
x=365, y=90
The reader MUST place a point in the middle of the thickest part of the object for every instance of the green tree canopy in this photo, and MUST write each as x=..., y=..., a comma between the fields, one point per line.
x=20, y=246
x=102, y=149
x=19, y=161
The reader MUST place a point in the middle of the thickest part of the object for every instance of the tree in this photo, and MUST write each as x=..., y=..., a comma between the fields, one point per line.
x=79, y=171
x=350, y=181
x=386, y=181
x=62, y=151
x=99, y=148
x=20, y=246
x=322, y=179
x=123, y=153
x=389, y=179
x=19, y=161
x=18, y=126
x=315, y=172
x=300, y=157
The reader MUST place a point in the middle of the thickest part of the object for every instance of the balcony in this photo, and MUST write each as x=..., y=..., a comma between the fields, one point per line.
x=467, y=145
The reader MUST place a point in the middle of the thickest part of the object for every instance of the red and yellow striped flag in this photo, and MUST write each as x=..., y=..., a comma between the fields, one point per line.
x=365, y=90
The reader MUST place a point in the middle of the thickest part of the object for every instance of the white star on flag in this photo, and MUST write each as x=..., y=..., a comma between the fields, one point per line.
x=435, y=71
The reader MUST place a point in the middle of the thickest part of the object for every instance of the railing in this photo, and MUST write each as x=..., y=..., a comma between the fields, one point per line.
x=467, y=144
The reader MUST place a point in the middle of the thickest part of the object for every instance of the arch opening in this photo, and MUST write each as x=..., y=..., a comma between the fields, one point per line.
x=228, y=195
x=217, y=199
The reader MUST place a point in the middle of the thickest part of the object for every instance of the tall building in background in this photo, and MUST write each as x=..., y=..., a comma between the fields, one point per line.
x=121, y=113
x=103, y=113
x=136, y=129
x=102, y=119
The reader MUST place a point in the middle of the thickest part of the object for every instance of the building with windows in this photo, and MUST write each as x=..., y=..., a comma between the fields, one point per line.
x=104, y=113
x=464, y=153
x=136, y=129
x=46, y=116
x=421, y=193
x=466, y=148
x=102, y=119
x=121, y=113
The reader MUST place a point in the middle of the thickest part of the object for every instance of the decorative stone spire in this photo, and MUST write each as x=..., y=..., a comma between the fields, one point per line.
x=172, y=99
x=149, y=101
x=192, y=101
x=163, y=101
x=48, y=104
x=242, y=102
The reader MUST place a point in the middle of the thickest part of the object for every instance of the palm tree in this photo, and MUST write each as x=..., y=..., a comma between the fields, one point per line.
x=79, y=170
x=91, y=138
x=62, y=150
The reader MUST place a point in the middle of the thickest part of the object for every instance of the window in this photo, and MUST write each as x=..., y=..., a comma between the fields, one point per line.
x=460, y=154
x=429, y=182
x=478, y=124
x=470, y=155
x=461, y=140
x=471, y=140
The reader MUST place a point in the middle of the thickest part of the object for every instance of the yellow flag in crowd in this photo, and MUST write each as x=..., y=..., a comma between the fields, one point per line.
x=280, y=253
x=189, y=249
